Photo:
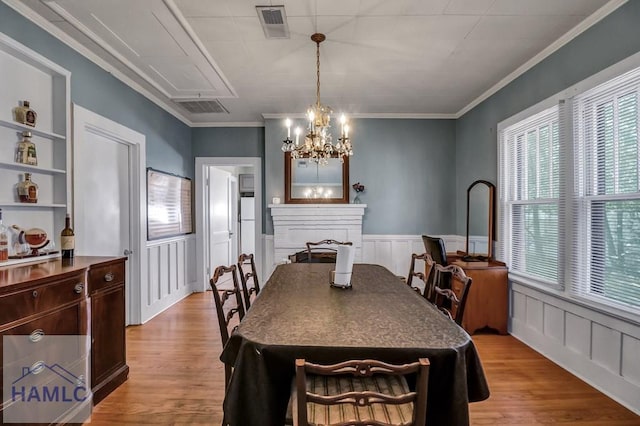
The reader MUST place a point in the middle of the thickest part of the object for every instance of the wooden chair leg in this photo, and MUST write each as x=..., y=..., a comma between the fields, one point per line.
x=227, y=376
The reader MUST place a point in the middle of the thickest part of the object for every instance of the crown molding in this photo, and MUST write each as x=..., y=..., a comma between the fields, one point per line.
x=591, y=20
x=59, y=34
x=397, y=116
x=229, y=124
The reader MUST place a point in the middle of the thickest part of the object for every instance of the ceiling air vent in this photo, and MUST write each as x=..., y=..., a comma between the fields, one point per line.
x=204, y=107
x=274, y=21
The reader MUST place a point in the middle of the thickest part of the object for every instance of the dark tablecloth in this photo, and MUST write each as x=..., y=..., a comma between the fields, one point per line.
x=298, y=315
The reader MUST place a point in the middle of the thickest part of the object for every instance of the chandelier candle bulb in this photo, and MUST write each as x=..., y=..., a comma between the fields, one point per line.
x=298, y=130
x=288, y=124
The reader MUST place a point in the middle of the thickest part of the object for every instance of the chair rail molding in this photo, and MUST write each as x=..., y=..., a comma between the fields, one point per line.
x=295, y=224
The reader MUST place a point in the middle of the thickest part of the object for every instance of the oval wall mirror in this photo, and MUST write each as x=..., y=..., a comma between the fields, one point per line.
x=480, y=221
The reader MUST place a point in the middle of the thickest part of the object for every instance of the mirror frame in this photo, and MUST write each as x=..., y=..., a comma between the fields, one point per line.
x=288, y=199
x=491, y=230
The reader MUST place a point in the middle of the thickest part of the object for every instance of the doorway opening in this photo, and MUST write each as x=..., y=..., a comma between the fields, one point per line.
x=225, y=224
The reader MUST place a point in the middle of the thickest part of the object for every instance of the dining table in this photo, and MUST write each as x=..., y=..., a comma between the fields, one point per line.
x=298, y=314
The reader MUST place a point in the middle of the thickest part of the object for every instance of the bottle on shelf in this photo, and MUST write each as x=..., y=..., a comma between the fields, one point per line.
x=25, y=115
x=67, y=239
x=4, y=241
x=27, y=190
x=26, y=153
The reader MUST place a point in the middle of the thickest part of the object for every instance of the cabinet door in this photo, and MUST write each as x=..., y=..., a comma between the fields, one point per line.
x=107, y=333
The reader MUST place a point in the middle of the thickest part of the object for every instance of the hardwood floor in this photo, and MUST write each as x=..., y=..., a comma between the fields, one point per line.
x=177, y=378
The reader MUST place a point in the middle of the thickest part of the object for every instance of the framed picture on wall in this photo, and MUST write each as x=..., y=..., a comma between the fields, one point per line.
x=169, y=205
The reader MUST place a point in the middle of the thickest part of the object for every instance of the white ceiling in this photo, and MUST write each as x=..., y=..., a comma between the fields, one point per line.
x=400, y=58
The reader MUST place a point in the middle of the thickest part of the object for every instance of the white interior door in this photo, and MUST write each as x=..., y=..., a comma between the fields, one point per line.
x=220, y=231
x=204, y=165
x=106, y=197
x=233, y=217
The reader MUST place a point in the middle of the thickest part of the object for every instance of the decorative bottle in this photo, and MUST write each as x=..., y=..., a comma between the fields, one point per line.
x=25, y=115
x=4, y=241
x=27, y=190
x=27, y=150
x=67, y=239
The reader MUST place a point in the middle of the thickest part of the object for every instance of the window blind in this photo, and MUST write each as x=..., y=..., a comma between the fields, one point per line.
x=606, y=235
x=168, y=205
x=529, y=192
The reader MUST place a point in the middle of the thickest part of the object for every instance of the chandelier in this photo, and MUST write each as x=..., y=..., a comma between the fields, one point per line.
x=318, y=142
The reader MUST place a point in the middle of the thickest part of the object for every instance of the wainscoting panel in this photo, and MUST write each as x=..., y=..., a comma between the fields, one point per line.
x=600, y=349
x=391, y=251
x=172, y=274
x=631, y=353
x=578, y=332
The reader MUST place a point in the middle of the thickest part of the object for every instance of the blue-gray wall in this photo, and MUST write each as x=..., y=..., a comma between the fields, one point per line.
x=168, y=140
x=228, y=142
x=415, y=171
x=407, y=167
x=609, y=41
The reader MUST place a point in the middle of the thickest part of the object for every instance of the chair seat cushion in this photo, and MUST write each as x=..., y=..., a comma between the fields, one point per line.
x=323, y=415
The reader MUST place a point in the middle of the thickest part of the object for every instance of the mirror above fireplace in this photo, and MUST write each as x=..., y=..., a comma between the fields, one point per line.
x=308, y=182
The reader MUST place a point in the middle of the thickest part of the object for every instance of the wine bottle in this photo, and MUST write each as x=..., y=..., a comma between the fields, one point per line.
x=67, y=239
x=4, y=241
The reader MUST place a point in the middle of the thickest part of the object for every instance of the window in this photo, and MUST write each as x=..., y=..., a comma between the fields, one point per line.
x=168, y=205
x=529, y=190
x=581, y=192
x=607, y=213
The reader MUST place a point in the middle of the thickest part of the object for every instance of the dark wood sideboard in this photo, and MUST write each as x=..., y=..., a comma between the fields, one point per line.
x=488, y=300
x=54, y=297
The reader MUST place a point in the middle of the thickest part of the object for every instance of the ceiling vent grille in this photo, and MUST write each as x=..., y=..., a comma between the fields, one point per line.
x=204, y=107
x=274, y=21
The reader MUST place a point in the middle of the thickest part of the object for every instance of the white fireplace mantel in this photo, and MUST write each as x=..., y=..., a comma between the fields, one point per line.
x=295, y=224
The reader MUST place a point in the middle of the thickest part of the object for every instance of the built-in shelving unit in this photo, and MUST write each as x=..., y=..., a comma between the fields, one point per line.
x=27, y=75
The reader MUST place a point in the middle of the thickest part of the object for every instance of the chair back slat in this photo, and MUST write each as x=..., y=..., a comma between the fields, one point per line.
x=248, y=278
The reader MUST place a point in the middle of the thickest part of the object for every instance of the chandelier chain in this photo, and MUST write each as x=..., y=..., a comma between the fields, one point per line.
x=318, y=73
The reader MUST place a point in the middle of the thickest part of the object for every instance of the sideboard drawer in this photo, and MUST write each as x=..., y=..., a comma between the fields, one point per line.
x=42, y=298
x=64, y=322
x=105, y=275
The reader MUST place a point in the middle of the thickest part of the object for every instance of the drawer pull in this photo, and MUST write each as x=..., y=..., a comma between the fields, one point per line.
x=35, y=293
x=36, y=335
x=108, y=277
x=37, y=367
x=79, y=288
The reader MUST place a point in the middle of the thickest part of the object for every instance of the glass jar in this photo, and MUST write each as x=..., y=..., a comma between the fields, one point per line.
x=25, y=115
x=26, y=153
x=27, y=190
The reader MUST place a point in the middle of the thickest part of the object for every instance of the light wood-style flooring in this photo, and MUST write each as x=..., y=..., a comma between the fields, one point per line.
x=176, y=378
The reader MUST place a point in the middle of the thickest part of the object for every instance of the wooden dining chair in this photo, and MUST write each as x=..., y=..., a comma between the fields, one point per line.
x=228, y=303
x=417, y=259
x=453, y=300
x=248, y=278
x=324, y=251
x=431, y=274
x=359, y=393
